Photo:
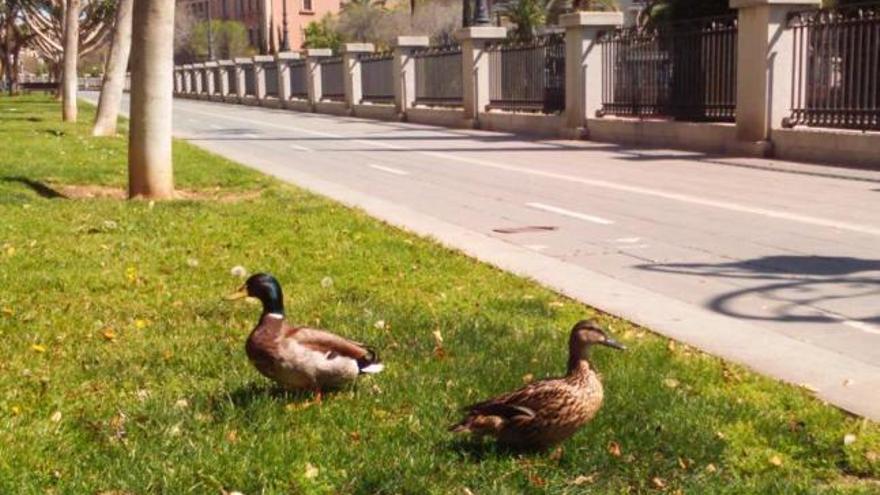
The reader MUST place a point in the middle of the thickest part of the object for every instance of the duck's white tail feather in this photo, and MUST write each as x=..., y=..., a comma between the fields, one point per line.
x=373, y=368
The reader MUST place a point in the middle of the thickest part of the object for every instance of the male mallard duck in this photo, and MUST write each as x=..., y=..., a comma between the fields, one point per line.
x=549, y=411
x=298, y=357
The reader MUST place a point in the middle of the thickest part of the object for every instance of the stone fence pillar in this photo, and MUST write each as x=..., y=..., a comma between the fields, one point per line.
x=351, y=71
x=282, y=59
x=187, y=79
x=178, y=80
x=240, y=63
x=765, y=51
x=260, y=75
x=405, y=71
x=583, y=65
x=475, y=67
x=198, y=79
x=210, y=78
x=227, y=72
x=313, y=70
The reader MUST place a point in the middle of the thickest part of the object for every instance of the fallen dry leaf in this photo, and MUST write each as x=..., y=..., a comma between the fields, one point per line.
x=614, y=449
x=181, y=404
x=311, y=471
x=671, y=383
x=7, y=311
x=56, y=417
x=683, y=463
x=849, y=439
x=670, y=345
x=776, y=460
x=556, y=454
x=109, y=335
x=658, y=483
x=232, y=436
x=536, y=480
x=528, y=378
x=710, y=468
x=584, y=480
x=38, y=348
x=141, y=324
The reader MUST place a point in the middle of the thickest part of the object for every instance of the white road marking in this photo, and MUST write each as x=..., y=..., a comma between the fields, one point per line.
x=298, y=147
x=379, y=144
x=685, y=198
x=389, y=170
x=569, y=213
x=858, y=325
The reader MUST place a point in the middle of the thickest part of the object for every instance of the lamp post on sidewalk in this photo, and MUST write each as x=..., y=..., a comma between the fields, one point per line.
x=285, y=42
x=482, y=13
x=210, y=32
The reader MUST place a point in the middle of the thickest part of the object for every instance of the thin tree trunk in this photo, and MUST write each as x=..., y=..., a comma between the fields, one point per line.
x=71, y=54
x=114, y=72
x=149, y=146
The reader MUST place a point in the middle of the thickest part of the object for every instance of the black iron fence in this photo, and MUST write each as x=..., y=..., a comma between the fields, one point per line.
x=528, y=75
x=203, y=76
x=270, y=76
x=682, y=70
x=298, y=79
x=438, y=75
x=232, y=78
x=250, y=80
x=332, y=84
x=377, y=72
x=218, y=74
x=836, y=70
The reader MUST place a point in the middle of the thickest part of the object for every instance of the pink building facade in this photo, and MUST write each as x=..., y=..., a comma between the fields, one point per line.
x=264, y=19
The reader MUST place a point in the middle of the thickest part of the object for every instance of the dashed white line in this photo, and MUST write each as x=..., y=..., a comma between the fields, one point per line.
x=390, y=170
x=298, y=147
x=379, y=144
x=569, y=213
x=864, y=327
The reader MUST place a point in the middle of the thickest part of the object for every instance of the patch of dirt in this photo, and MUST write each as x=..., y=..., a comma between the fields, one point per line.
x=89, y=191
x=92, y=191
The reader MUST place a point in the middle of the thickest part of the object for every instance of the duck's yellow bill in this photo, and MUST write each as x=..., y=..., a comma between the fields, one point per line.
x=241, y=293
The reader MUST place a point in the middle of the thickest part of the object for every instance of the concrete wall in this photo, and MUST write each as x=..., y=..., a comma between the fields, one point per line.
x=377, y=112
x=446, y=117
x=523, y=123
x=831, y=146
x=332, y=107
x=298, y=105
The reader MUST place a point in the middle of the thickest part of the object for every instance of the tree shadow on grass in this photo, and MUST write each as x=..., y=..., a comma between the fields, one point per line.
x=38, y=187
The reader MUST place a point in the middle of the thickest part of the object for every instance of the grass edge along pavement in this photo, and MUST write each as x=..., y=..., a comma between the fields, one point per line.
x=123, y=369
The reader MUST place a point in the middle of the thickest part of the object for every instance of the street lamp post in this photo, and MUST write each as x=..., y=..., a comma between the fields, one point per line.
x=210, y=33
x=481, y=17
x=285, y=42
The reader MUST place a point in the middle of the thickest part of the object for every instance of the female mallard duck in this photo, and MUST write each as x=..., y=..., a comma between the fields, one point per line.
x=300, y=358
x=548, y=411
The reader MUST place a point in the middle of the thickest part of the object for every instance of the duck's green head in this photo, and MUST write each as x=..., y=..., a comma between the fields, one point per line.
x=266, y=288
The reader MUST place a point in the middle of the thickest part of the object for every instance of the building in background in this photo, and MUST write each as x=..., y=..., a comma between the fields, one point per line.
x=264, y=19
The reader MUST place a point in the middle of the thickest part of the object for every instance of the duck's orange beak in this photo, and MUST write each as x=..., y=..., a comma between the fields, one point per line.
x=241, y=293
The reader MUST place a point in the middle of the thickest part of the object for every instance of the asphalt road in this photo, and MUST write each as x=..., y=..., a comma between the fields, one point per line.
x=775, y=265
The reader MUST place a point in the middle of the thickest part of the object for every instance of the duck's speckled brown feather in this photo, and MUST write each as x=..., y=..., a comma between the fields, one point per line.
x=540, y=414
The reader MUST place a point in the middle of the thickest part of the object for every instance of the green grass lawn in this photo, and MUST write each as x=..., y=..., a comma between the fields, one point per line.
x=122, y=368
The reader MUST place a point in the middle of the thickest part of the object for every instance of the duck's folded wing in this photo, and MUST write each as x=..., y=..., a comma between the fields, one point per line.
x=330, y=343
x=522, y=402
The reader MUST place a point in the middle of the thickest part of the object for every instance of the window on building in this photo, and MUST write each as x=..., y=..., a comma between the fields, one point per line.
x=307, y=5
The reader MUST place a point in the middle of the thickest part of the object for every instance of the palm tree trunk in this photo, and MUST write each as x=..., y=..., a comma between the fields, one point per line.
x=71, y=54
x=114, y=72
x=149, y=145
